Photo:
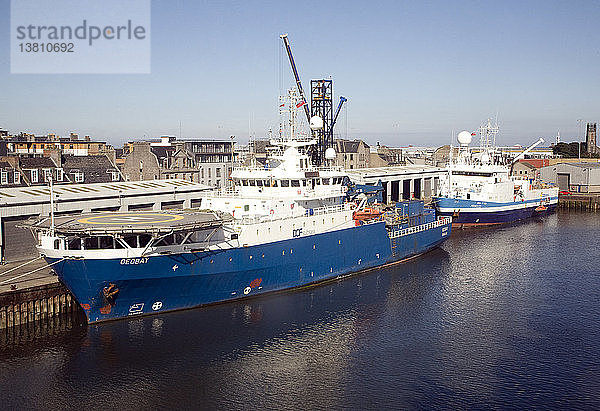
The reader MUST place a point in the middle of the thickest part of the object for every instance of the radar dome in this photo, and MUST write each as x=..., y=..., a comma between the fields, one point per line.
x=330, y=153
x=464, y=138
x=316, y=123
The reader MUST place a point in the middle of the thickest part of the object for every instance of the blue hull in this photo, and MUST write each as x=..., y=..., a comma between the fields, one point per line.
x=477, y=216
x=111, y=288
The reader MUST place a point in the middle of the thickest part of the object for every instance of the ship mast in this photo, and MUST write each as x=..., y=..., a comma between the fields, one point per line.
x=51, y=206
x=487, y=140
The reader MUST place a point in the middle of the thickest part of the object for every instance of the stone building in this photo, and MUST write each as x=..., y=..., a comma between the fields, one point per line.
x=38, y=170
x=90, y=169
x=141, y=163
x=352, y=154
x=204, y=161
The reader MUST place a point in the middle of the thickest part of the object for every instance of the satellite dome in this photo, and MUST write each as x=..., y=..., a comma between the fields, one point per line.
x=329, y=153
x=464, y=138
x=316, y=123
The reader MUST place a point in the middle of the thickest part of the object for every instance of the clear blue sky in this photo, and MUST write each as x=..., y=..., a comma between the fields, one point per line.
x=412, y=71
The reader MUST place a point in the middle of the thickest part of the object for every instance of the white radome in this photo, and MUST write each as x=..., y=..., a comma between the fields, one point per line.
x=464, y=138
x=316, y=123
x=330, y=154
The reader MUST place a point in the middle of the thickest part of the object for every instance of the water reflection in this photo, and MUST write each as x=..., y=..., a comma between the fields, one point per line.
x=496, y=318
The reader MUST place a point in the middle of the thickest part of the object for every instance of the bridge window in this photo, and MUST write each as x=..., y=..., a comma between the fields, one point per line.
x=259, y=183
x=285, y=183
x=131, y=240
x=252, y=183
x=73, y=243
x=295, y=183
x=144, y=239
x=326, y=181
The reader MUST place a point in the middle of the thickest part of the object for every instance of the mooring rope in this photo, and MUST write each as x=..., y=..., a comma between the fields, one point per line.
x=22, y=265
x=31, y=272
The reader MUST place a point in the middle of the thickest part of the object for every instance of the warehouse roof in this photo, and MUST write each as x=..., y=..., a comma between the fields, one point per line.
x=95, y=191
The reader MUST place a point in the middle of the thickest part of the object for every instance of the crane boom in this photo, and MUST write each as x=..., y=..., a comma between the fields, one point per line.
x=531, y=147
x=286, y=42
x=337, y=111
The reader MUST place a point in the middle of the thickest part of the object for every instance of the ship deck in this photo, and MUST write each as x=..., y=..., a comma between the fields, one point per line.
x=132, y=222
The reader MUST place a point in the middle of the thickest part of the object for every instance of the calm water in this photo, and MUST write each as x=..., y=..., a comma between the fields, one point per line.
x=496, y=318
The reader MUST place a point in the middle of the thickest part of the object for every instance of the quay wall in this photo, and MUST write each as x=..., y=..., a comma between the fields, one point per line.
x=586, y=202
x=40, y=304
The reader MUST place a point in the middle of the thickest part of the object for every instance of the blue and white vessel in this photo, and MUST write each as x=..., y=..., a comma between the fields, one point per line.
x=276, y=228
x=479, y=189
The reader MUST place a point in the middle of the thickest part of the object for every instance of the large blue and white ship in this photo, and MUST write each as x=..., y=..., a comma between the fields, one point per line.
x=279, y=227
x=479, y=189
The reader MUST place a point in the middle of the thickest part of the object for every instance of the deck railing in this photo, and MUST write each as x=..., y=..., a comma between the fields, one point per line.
x=307, y=213
x=422, y=227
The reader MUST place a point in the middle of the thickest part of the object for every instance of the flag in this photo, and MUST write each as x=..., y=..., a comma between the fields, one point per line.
x=473, y=134
x=300, y=104
x=282, y=105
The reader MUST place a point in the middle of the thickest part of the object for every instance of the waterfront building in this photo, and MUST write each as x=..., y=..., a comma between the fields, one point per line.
x=574, y=177
x=401, y=182
x=17, y=204
x=528, y=168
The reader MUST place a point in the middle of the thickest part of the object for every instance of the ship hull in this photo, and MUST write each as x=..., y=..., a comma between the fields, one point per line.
x=109, y=289
x=467, y=213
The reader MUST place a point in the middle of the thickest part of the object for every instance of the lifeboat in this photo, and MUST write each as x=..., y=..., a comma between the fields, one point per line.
x=541, y=207
x=366, y=214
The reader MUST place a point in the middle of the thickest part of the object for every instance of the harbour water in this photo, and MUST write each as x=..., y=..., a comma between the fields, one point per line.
x=503, y=317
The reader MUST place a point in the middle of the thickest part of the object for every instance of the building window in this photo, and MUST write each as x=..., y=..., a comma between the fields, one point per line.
x=218, y=170
x=4, y=177
x=59, y=174
x=78, y=176
x=47, y=174
x=115, y=175
x=17, y=177
x=209, y=173
x=34, y=176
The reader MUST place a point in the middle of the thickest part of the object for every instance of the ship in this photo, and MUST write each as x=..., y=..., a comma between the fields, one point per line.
x=280, y=226
x=479, y=190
